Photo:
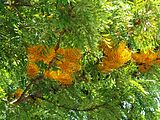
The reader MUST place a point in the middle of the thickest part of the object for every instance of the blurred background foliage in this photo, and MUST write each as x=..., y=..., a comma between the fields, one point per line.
x=123, y=94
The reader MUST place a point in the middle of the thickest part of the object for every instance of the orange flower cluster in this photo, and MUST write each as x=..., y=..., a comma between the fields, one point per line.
x=70, y=54
x=40, y=53
x=67, y=66
x=145, y=60
x=32, y=70
x=62, y=77
x=70, y=61
x=18, y=93
x=113, y=57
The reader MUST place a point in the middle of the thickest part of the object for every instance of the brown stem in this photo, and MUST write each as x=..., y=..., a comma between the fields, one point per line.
x=27, y=88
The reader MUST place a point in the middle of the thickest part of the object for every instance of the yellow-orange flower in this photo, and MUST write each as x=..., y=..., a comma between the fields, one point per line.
x=146, y=58
x=68, y=64
x=47, y=74
x=40, y=53
x=49, y=55
x=18, y=92
x=32, y=70
x=52, y=74
x=70, y=53
x=69, y=67
x=61, y=51
x=108, y=65
x=124, y=53
x=34, y=53
x=114, y=57
x=62, y=77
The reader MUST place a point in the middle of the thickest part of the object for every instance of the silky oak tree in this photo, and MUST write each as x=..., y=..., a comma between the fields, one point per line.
x=79, y=59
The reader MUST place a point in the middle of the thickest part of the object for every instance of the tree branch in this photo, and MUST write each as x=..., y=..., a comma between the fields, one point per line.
x=40, y=77
x=92, y=108
x=27, y=88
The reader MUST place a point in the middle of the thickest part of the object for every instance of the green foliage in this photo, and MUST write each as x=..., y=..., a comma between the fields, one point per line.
x=125, y=93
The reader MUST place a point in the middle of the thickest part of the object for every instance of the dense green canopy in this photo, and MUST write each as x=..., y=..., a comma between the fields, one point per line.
x=79, y=59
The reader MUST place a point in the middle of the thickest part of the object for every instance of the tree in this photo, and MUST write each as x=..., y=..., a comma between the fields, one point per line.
x=80, y=59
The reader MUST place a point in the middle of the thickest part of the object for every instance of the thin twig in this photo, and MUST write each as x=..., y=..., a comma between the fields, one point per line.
x=27, y=88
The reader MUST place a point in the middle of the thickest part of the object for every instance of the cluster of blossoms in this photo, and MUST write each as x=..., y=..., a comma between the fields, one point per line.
x=114, y=57
x=66, y=62
x=145, y=60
